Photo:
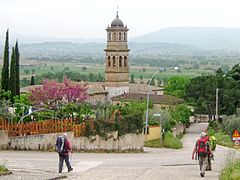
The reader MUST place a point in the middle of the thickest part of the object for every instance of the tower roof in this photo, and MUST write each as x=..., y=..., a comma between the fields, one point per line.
x=117, y=22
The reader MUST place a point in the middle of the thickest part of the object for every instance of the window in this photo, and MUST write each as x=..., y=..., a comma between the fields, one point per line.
x=114, y=36
x=114, y=61
x=124, y=36
x=109, y=61
x=125, y=61
x=120, y=37
x=120, y=61
x=109, y=36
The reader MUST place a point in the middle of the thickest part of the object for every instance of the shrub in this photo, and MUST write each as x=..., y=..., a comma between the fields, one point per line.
x=170, y=141
x=128, y=124
x=230, y=123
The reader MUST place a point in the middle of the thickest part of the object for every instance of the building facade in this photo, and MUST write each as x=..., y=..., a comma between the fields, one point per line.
x=117, y=59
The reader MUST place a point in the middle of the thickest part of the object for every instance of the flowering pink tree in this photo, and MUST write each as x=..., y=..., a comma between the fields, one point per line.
x=52, y=94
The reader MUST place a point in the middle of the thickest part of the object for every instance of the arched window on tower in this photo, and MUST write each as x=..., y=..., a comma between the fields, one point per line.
x=120, y=36
x=125, y=61
x=124, y=36
x=109, y=36
x=114, y=36
x=120, y=61
x=109, y=61
x=114, y=61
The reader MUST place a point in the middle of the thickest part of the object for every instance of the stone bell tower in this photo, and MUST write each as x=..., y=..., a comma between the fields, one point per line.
x=117, y=59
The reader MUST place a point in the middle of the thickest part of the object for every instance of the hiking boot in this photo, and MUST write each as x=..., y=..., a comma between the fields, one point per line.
x=69, y=170
x=202, y=174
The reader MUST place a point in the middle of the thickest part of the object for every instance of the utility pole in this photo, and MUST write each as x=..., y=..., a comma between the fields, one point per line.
x=217, y=104
x=147, y=114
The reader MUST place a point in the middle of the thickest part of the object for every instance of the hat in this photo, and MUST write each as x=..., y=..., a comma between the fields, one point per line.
x=202, y=134
x=65, y=135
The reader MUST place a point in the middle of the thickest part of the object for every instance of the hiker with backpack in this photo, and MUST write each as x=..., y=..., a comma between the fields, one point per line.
x=63, y=148
x=212, y=145
x=201, y=152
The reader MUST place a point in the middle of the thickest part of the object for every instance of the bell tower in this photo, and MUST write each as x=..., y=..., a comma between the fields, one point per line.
x=117, y=59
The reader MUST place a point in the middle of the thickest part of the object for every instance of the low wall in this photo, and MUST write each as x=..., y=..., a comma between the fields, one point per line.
x=48, y=141
x=178, y=129
x=3, y=139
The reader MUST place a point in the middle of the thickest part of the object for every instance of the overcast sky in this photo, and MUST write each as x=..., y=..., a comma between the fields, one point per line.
x=89, y=18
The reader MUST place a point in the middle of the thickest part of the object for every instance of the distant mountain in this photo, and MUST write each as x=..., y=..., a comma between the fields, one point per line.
x=209, y=38
x=169, y=41
x=24, y=39
x=72, y=50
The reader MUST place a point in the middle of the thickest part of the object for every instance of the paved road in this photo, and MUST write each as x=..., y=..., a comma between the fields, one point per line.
x=154, y=164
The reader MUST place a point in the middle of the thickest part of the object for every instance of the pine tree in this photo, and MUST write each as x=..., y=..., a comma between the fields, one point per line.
x=12, y=82
x=32, y=81
x=5, y=69
x=17, y=56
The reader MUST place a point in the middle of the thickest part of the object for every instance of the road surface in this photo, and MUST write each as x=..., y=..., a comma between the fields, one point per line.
x=153, y=164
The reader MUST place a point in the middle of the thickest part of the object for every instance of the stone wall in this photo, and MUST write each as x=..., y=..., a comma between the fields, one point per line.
x=178, y=129
x=47, y=142
x=3, y=139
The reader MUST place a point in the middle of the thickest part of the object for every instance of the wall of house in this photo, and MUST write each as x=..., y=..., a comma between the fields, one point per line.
x=154, y=133
x=96, y=98
x=116, y=91
x=48, y=141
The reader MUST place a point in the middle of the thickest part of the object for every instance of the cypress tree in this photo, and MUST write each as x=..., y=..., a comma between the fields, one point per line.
x=12, y=83
x=17, y=56
x=5, y=69
x=32, y=81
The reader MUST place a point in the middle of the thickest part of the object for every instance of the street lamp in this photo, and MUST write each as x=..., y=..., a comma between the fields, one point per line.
x=159, y=70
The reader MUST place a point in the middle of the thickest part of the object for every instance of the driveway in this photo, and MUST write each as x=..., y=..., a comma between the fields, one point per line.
x=153, y=164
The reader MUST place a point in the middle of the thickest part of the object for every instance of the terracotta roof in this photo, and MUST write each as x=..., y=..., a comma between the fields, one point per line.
x=142, y=88
x=157, y=99
x=92, y=88
x=96, y=88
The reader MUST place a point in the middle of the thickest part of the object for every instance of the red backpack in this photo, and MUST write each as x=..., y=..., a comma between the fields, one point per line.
x=202, y=147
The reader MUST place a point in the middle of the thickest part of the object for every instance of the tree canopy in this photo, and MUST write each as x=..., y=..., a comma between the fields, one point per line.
x=176, y=86
x=52, y=94
x=201, y=91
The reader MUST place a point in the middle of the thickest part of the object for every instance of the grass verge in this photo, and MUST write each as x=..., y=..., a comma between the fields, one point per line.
x=170, y=141
x=224, y=139
x=155, y=143
x=231, y=171
x=3, y=169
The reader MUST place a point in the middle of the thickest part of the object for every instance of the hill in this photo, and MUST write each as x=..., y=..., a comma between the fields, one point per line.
x=209, y=38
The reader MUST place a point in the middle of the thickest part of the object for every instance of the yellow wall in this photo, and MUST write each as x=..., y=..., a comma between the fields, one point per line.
x=154, y=133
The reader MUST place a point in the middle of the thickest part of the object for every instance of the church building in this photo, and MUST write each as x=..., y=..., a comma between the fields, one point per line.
x=117, y=59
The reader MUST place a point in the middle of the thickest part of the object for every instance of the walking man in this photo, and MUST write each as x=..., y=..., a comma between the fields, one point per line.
x=64, y=154
x=201, y=152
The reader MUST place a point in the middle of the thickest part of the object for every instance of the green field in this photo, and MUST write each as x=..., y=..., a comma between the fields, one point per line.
x=145, y=72
x=95, y=69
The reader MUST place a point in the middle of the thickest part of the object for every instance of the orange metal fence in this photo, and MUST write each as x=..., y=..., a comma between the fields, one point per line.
x=44, y=127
